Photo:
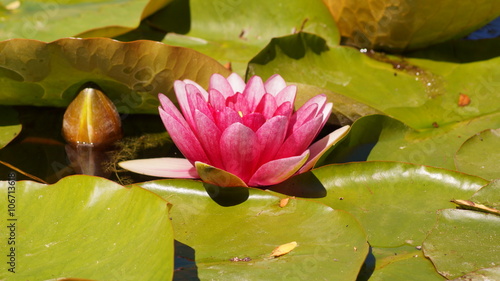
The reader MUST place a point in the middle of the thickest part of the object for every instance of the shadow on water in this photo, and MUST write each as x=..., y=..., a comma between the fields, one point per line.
x=184, y=263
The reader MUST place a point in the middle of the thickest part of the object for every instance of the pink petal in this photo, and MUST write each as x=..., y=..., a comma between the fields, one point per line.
x=197, y=102
x=275, y=84
x=216, y=100
x=287, y=95
x=202, y=91
x=254, y=92
x=225, y=118
x=221, y=84
x=319, y=148
x=238, y=103
x=302, y=116
x=327, y=110
x=267, y=106
x=168, y=107
x=209, y=136
x=276, y=171
x=184, y=138
x=237, y=149
x=182, y=99
x=300, y=139
x=284, y=109
x=270, y=137
x=162, y=167
x=236, y=83
x=216, y=176
x=254, y=121
x=320, y=100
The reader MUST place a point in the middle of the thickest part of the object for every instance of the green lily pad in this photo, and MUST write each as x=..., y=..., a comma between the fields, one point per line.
x=379, y=137
x=489, y=195
x=402, y=263
x=484, y=274
x=479, y=155
x=48, y=21
x=463, y=241
x=421, y=93
x=235, y=31
x=395, y=202
x=130, y=74
x=10, y=126
x=233, y=231
x=86, y=227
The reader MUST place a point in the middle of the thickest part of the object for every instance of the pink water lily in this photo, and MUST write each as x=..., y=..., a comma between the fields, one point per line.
x=238, y=134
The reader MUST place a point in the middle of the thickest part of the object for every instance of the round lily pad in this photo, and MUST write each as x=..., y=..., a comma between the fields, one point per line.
x=84, y=227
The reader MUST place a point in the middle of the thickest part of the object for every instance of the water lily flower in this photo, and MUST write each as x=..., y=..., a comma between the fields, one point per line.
x=238, y=134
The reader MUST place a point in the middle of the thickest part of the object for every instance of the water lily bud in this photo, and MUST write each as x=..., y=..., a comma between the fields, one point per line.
x=91, y=119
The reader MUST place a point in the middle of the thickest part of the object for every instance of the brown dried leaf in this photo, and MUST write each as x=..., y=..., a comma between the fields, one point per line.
x=283, y=249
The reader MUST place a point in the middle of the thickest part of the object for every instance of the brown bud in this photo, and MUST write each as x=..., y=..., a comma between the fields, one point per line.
x=91, y=119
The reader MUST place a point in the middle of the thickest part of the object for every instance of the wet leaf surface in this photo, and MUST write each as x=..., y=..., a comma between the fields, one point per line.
x=400, y=263
x=395, y=202
x=463, y=241
x=235, y=31
x=51, y=20
x=88, y=227
x=383, y=138
x=232, y=231
x=421, y=93
x=479, y=154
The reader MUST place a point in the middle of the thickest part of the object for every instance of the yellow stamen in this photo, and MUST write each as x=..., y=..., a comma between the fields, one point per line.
x=240, y=113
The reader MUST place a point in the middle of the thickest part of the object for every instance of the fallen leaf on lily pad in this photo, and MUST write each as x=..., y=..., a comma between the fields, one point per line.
x=283, y=249
x=467, y=204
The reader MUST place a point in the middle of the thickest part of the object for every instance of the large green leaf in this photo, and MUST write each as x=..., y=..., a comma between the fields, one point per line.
x=379, y=137
x=131, y=74
x=395, y=202
x=51, y=20
x=479, y=154
x=10, y=126
x=86, y=227
x=463, y=241
x=235, y=31
x=421, y=93
x=222, y=224
x=407, y=24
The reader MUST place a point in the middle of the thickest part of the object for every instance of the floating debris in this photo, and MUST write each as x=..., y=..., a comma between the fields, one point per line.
x=463, y=100
x=236, y=259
